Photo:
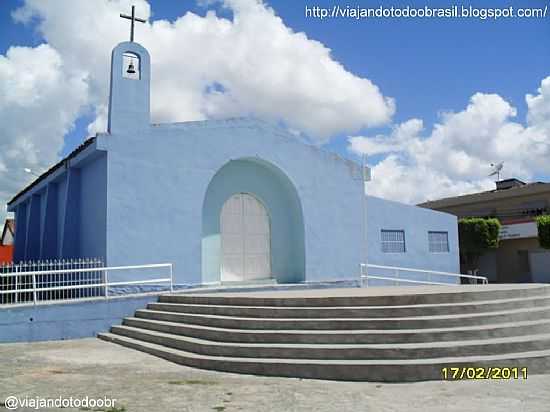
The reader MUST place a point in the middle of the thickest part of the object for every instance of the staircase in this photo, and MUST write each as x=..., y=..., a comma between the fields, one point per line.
x=369, y=334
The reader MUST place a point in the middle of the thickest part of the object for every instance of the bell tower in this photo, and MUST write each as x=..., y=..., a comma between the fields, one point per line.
x=129, y=95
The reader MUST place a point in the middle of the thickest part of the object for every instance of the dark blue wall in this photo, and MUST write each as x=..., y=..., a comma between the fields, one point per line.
x=93, y=208
x=20, y=232
x=49, y=230
x=67, y=217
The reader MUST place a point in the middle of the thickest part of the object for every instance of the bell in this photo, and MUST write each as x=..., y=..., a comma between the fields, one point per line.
x=131, y=69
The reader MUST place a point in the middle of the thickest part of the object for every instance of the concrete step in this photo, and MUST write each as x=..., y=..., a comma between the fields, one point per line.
x=343, y=336
x=365, y=296
x=492, y=346
x=354, y=311
x=412, y=322
x=385, y=334
x=353, y=370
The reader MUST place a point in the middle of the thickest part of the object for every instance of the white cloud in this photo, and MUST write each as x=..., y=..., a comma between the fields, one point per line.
x=400, y=136
x=396, y=179
x=539, y=106
x=39, y=101
x=258, y=65
x=455, y=157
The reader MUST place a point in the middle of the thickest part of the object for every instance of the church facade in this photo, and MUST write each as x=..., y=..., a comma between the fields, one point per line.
x=223, y=200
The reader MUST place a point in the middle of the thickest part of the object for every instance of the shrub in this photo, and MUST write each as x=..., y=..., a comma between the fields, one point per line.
x=543, y=226
x=476, y=236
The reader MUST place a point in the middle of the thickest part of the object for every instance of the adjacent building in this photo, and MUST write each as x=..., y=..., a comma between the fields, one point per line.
x=6, y=241
x=516, y=204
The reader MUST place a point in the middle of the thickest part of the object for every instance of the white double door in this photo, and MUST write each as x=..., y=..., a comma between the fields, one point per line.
x=245, y=236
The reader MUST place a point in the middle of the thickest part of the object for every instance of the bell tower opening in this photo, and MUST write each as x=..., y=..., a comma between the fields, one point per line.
x=131, y=66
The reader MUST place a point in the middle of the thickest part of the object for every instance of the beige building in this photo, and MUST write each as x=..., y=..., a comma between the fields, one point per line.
x=519, y=257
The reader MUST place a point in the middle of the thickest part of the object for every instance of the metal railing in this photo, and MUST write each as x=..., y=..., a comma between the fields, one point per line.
x=29, y=280
x=77, y=279
x=396, y=275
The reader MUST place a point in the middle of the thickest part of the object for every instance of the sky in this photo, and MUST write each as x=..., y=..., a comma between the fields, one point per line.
x=428, y=103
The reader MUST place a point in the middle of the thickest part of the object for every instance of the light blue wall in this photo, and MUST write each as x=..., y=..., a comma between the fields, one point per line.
x=67, y=320
x=278, y=195
x=416, y=222
x=158, y=179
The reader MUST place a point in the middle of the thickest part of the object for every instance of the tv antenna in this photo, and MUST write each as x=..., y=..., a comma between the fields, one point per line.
x=497, y=168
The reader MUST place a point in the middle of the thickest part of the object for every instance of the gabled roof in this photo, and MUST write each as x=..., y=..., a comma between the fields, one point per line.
x=52, y=169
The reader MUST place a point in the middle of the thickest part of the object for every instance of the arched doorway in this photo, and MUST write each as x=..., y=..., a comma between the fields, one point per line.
x=246, y=239
x=269, y=187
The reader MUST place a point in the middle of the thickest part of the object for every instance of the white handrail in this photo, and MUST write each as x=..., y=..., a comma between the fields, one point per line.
x=397, y=278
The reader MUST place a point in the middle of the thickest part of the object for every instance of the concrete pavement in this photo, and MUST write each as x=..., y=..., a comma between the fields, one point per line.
x=140, y=382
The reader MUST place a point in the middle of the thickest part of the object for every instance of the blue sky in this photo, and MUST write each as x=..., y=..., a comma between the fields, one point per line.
x=428, y=66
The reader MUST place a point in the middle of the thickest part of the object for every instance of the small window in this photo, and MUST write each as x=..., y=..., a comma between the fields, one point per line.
x=131, y=66
x=438, y=242
x=393, y=241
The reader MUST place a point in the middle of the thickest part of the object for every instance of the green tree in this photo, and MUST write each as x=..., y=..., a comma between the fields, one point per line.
x=543, y=226
x=476, y=236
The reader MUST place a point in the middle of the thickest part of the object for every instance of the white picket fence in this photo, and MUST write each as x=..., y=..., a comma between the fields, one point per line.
x=36, y=282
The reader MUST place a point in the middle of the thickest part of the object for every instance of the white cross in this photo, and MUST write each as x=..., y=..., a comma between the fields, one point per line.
x=133, y=18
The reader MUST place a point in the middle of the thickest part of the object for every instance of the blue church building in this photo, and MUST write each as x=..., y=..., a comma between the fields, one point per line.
x=223, y=200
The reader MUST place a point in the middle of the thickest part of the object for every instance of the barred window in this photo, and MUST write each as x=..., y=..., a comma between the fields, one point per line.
x=393, y=241
x=438, y=242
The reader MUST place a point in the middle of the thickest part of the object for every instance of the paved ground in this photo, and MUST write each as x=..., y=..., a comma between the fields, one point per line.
x=140, y=382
